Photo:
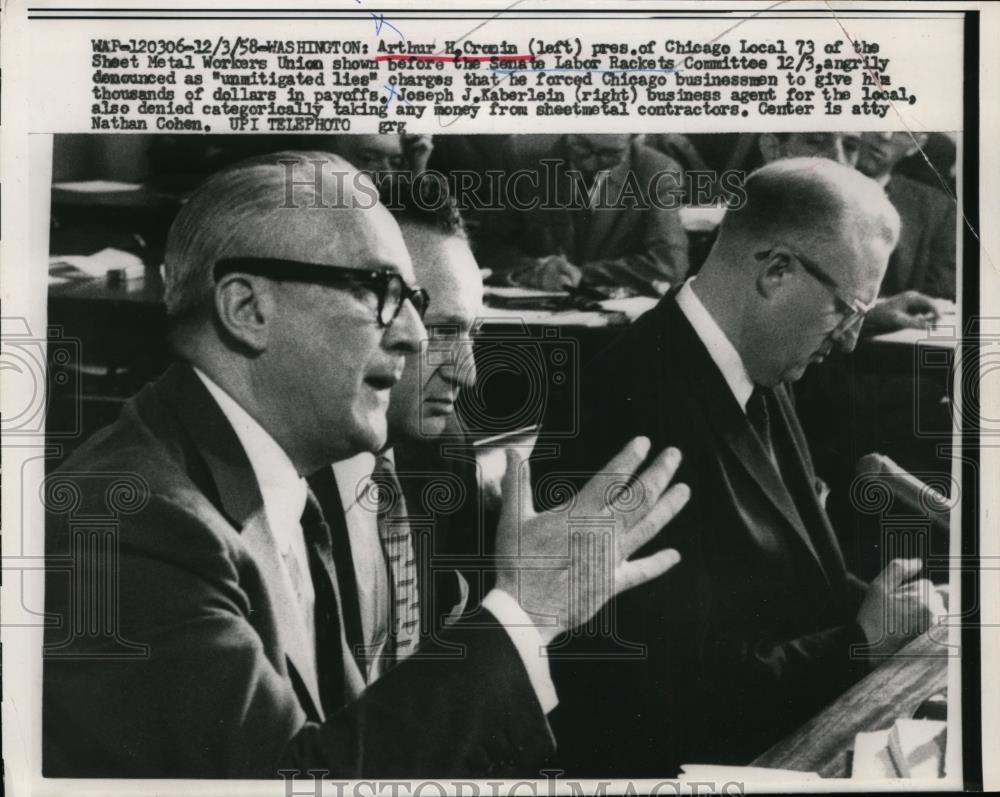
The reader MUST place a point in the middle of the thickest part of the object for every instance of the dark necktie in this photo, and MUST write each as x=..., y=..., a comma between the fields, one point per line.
x=397, y=542
x=327, y=621
x=760, y=420
x=777, y=448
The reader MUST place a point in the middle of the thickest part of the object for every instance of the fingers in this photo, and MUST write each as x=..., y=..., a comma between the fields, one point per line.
x=665, y=510
x=563, y=274
x=623, y=466
x=896, y=572
x=570, y=274
x=632, y=574
x=659, y=474
x=551, y=276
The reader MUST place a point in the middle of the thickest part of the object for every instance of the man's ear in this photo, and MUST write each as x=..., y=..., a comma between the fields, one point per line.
x=770, y=150
x=244, y=308
x=773, y=271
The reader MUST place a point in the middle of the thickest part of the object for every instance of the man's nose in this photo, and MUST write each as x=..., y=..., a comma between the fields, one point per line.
x=405, y=333
x=460, y=368
x=465, y=366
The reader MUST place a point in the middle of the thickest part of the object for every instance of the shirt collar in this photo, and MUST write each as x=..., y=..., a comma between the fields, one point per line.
x=281, y=487
x=352, y=476
x=720, y=348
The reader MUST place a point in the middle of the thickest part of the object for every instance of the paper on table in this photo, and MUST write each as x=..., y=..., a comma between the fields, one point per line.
x=702, y=219
x=517, y=292
x=917, y=747
x=99, y=263
x=577, y=318
x=716, y=774
x=633, y=307
x=97, y=186
x=872, y=760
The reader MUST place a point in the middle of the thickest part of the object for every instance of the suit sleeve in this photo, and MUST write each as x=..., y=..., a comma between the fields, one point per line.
x=661, y=257
x=473, y=714
x=185, y=687
x=663, y=263
x=941, y=279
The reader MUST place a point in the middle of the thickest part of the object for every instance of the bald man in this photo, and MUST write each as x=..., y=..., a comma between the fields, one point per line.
x=902, y=304
x=763, y=626
x=198, y=626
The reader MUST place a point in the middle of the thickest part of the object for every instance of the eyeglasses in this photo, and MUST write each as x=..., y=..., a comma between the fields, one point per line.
x=852, y=310
x=388, y=286
x=606, y=156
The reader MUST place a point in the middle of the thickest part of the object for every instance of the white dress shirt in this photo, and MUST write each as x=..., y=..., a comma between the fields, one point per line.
x=354, y=481
x=720, y=348
x=284, y=494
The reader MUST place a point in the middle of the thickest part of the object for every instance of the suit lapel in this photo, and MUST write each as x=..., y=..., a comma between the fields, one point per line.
x=292, y=632
x=823, y=537
x=712, y=394
x=232, y=483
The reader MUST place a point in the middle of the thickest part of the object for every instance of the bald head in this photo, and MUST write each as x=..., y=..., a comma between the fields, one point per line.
x=792, y=267
x=806, y=201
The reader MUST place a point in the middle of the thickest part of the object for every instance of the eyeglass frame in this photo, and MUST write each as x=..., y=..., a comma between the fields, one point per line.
x=854, y=311
x=606, y=156
x=378, y=280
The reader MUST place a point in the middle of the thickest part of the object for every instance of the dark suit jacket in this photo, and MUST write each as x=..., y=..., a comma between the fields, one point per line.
x=631, y=242
x=750, y=634
x=924, y=258
x=191, y=661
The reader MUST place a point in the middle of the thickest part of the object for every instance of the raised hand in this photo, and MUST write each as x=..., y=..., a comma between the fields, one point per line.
x=562, y=566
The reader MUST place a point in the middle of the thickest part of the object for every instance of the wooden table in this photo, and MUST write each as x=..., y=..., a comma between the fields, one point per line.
x=893, y=690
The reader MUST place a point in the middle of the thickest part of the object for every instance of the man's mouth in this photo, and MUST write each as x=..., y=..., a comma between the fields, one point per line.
x=444, y=401
x=819, y=356
x=444, y=405
x=381, y=381
x=876, y=153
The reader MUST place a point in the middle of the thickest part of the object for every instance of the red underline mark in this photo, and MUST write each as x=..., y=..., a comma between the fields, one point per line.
x=453, y=58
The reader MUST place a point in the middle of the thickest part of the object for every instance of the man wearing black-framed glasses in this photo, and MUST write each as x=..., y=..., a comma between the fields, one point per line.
x=292, y=308
x=765, y=626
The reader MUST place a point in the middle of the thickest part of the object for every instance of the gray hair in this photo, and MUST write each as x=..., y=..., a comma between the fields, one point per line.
x=237, y=212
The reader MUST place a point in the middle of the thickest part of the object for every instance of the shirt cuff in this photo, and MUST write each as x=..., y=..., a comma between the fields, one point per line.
x=528, y=643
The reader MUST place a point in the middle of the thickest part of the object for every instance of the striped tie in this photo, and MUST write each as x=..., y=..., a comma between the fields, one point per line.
x=397, y=542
